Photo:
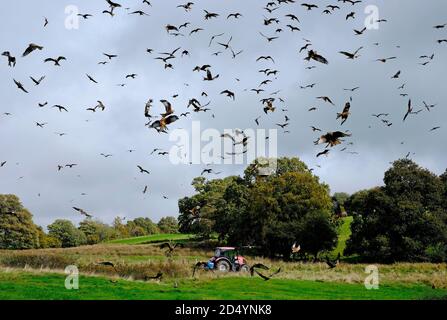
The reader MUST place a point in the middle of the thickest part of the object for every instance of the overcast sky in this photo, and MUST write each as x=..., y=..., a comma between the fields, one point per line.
x=114, y=186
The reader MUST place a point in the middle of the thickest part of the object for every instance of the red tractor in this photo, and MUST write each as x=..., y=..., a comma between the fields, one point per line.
x=227, y=259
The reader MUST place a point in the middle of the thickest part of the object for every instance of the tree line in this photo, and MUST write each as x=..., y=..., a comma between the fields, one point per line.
x=18, y=231
x=403, y=220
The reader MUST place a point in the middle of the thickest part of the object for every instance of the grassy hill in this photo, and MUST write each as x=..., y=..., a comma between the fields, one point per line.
x=344, y=232
x=153, y=239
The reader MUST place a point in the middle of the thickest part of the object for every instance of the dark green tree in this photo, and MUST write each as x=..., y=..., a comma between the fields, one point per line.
x=403, y=221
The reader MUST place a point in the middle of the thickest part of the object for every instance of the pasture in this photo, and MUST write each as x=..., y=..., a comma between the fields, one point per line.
x=39, y=274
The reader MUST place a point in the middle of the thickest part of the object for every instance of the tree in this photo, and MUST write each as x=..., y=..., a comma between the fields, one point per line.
x=168, y=225
x=267, y=209
x=147, y=225
x=339, y=199
x=47, y=241
x=403, y=221
x=96, y=232
x=198, y=213
x=17, y=229
x=120, y=228
x=67, y=233
x=284, y=209
x=444, y=181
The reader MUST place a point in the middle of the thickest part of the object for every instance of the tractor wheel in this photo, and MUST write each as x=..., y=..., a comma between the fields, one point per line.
x=223, y=266
x=245, y=268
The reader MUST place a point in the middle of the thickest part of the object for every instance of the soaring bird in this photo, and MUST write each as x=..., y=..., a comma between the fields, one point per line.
x=383, y=60
x=257, y=266
x=409, y=110
x=83, y=212
x=170, y=248
x=168, y=108
x=110, y=56
x=266, y=278
x=11, y=60
x=236, y=15
x=397, y=75
x=323, y=153
x=158, y=276
x=31, y=47
x=313, y=55
x=353, y=55
x=295, y=248
x=309, y=6
x=107, y=264
x=20, y=86
x=142, y=170
x=113, y=5
x=37, y=82
x=61, y=108
x=345, y=114
x=332, y=138
x=200, y=264
x=56, y=61
x=91, y=78
x=326, y=99
x=209, y=76
x=229, y=94
x=210, y=15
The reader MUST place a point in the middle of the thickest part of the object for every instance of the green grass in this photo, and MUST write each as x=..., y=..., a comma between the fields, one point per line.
x=153, y=238
x=29, y=286
x=344, y=232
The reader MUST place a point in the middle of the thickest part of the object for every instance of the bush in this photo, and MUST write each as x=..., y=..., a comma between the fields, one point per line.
x=46, y=260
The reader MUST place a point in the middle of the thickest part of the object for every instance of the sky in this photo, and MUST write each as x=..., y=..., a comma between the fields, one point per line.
x=113, y=186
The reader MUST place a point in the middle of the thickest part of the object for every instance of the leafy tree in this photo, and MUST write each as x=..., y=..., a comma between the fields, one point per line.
x=47, y=241
x=270, y=211
x=17, y=230
x=444, y=181
x=198, y=213
x=147, y=225
x=284, y=209
x=120, y=228
x=96, y=232
x=403, y=221
x=339, y=199
x=168, y=225
x=67, y=233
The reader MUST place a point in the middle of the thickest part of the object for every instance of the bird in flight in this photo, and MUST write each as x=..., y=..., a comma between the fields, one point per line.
x=142, y=170
x=56, y=61
x=20, y=86
x=31, y=47
x=83, y=212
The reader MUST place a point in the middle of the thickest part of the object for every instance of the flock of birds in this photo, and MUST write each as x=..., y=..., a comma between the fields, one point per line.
x=280, y=16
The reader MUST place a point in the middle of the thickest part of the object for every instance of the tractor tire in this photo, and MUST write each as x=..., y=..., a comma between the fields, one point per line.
x=223, y=266
x=245, y=268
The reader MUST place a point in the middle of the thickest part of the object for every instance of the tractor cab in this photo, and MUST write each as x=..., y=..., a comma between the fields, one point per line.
x=227, y=259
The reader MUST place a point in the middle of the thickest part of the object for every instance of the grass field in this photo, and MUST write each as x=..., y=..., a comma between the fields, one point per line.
x=23, y=285
x=153, y=238
x=39, y=274
x=344, y=232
